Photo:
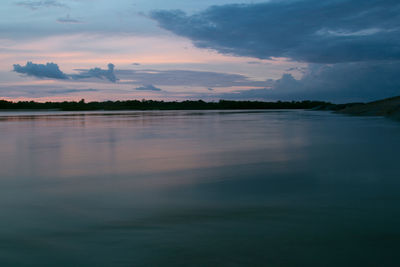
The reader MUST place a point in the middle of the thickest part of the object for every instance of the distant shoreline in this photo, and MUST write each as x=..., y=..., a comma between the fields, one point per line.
x=157, y=105
x=389, y=107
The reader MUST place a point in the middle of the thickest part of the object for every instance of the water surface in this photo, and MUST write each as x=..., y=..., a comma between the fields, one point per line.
x=198, y=188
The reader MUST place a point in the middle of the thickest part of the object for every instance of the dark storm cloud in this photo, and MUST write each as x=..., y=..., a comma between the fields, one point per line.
x=48, y=70
x=343, y=82
x=353, y=47
x=148, y=88
x=108, y=74
x=187, y=78
x=314, y=31
x=40, y=4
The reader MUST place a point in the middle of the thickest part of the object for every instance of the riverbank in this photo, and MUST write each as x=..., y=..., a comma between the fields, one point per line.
x=389, y=107
x=158, y=105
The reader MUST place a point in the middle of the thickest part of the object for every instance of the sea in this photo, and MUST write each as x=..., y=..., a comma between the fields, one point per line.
x=199, y=188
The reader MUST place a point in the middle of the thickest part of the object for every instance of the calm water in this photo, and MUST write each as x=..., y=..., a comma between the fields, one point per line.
x=199, y=188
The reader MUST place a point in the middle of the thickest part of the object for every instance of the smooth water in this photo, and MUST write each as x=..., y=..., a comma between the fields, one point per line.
x=199, y=188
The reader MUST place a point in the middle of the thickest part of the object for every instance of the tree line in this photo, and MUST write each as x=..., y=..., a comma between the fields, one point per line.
x=160, y=105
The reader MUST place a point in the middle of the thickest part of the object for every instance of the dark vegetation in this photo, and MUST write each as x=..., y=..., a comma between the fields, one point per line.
x=161, y=105
x=389, y=107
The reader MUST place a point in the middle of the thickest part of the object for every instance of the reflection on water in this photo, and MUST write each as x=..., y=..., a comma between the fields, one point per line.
x=198, y=188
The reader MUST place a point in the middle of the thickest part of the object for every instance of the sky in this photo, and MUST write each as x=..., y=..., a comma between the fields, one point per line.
x=332, y=50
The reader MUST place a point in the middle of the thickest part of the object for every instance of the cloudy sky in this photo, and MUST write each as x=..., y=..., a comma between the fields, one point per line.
x=333, y=50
